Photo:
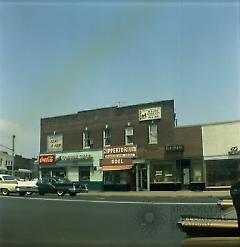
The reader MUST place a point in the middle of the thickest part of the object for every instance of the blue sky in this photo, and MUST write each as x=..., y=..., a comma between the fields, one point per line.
x=60, y=57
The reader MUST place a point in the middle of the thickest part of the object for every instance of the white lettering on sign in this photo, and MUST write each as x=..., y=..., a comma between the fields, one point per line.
x=118, y=152
x=47, y=159
x=117, y=161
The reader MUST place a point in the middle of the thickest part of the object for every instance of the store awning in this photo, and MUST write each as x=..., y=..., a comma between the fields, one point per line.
x=116, y=168
x=3, y=168
x=24, y=170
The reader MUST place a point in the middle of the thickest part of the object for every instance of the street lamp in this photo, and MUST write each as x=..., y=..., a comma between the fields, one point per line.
x=13, y=150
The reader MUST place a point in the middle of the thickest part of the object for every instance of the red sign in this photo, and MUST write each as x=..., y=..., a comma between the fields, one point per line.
x=47, y=159
x=117, y=161
x=120, y=152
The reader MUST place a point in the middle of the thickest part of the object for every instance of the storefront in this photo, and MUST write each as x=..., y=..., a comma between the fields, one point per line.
x=118, y=168
x=222, y=172
x=76, y=166
x=221, y=146
x=177, y=171
x=186, y=174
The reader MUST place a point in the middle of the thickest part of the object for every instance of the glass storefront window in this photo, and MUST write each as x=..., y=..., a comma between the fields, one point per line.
x=116, y=177
x=196, y=171
x=222, y=172
x=46, y=172
x=84, y=173
x=60, y=172
x=163, y=171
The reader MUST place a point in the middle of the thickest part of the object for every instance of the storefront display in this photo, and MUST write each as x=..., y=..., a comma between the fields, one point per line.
x=76, y=166
x=222, y=172
x=118, y=168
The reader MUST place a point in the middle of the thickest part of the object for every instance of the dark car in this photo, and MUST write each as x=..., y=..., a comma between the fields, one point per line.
x=60, y=186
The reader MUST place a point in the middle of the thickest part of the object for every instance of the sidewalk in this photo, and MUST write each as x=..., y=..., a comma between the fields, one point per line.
x=160, y=194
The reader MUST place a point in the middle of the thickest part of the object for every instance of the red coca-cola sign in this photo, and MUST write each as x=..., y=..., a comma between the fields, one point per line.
x=47, y=159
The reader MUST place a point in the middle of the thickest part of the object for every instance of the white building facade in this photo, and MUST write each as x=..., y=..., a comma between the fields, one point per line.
x=221, y=153
x=6, y=162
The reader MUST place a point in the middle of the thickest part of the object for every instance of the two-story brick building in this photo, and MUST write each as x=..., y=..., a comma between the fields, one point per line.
x=123, y=148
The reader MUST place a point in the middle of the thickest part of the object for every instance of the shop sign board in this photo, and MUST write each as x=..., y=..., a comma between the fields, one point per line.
x=174, y=148
x=90, y=156
x=54, y=143
x=120, y=152
x=116, y=161
x=47, y=159
x=75, y=156
x=234, y=151
x=150, y=114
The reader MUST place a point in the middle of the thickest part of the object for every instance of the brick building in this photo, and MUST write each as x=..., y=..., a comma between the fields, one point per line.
x=134, y=147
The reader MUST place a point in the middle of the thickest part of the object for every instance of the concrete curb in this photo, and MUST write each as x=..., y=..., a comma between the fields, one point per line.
x=161, y=194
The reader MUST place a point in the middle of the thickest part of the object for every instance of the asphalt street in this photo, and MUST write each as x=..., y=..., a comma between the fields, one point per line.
x=97, y=221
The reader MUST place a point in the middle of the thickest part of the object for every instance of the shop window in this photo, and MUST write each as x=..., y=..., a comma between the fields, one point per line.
x=46, y=172
x=128, y=135
x=87, y=142
x=163, y=172
x=222, y=172
x=116, y=177
x=84, y=174
x=196, y=171
x=107, y=137
x=153, y=134
x=59, y=172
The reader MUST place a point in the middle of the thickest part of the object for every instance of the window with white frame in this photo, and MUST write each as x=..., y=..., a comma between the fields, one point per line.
x=153, y=134
x=128, y=135
x=107, y=137
x=86, y=139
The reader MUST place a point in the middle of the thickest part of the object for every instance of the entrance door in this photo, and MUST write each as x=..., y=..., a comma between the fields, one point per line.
x=186, y=179
x=142, y=178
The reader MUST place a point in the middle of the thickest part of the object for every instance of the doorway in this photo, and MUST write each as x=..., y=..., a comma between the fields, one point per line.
x=142, y=174
x=186, y=175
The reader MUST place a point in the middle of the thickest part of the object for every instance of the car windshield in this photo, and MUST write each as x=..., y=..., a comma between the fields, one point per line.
x=8, y=178
x=61, y=180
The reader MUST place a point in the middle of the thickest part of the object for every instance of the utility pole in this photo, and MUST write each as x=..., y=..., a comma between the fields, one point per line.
x=13, y=150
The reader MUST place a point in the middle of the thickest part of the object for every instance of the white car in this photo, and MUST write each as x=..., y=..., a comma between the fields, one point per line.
x=9, y=184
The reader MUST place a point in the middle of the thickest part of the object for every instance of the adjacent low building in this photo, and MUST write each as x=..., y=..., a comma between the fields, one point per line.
x=221, y=152
x=6, y=161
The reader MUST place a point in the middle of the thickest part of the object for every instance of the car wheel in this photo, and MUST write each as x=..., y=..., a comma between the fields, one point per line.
x=60, y=193
x=22, y=193
x=72, y=193
x=41, y=193
x=5, y=192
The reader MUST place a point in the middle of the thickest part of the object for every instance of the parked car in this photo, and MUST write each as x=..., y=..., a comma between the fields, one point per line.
x=27, y=187
x=9, y=184
x=60, y=186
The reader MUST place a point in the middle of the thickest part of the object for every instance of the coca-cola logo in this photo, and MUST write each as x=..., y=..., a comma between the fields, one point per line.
x=47, y=159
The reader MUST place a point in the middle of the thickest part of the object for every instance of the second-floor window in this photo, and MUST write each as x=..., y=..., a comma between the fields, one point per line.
x=153, y=134
x=86, y=139
x=128, y=135
x=107, y=137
